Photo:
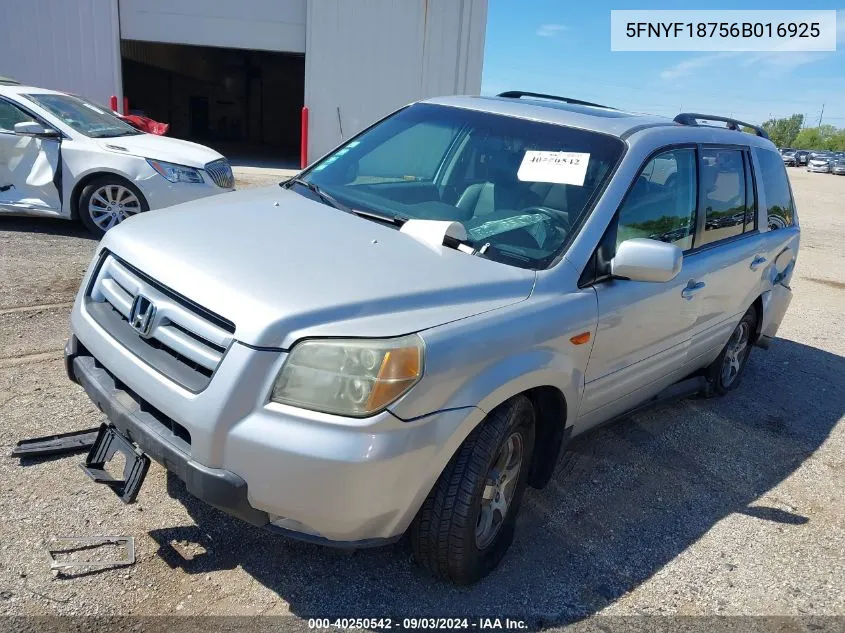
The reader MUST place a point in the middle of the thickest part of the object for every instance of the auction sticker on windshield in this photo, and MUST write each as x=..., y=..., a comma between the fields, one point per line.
x=563, y=168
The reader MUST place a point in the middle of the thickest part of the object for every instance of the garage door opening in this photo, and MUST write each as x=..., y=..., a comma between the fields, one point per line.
x=244, y=103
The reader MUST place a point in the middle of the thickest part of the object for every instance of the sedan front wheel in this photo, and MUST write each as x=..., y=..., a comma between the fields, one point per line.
x=107, y=201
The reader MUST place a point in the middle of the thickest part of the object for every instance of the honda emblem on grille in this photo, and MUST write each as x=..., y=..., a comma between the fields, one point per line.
x=141, y=315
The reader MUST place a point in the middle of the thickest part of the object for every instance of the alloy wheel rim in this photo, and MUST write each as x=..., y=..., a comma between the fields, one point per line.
x=499, y=489
x=111, y=204
x=735, y=354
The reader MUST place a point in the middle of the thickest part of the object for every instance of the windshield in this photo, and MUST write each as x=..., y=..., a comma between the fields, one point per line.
x=520, y=186
x=83, y=116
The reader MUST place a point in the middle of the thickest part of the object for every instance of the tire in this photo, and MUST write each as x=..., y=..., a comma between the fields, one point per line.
x=725, y=373
x=455, y=534
x=108, y=200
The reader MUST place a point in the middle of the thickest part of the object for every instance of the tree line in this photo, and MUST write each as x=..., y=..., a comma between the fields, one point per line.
x=789, y=132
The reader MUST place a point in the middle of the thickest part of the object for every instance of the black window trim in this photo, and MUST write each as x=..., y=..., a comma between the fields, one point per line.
x=752, y=205
x=591, y=275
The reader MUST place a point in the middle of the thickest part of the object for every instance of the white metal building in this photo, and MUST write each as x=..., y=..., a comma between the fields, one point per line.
x=237, y=72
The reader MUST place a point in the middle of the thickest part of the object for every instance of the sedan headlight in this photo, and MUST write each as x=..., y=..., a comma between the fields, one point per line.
x=353, y=377
x=176, y=173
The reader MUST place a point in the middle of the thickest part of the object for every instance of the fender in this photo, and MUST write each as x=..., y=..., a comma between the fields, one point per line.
x=484, y=360
x=80, y=164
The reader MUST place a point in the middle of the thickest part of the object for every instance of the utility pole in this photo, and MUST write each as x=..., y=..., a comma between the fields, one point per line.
x=821, y=115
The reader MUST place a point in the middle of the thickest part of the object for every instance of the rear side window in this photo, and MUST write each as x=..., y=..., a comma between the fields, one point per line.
x=723, y=194
x=780, y=208
x=661, y=204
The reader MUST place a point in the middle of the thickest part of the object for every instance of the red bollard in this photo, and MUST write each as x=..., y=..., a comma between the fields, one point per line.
x=113, y=103
x=303, y=146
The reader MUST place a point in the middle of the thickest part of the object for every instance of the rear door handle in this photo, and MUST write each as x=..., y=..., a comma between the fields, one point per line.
x=692, y=288
x=757, y=262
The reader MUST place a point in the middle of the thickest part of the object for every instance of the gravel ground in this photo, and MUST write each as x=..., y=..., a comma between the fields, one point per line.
x=703, y=507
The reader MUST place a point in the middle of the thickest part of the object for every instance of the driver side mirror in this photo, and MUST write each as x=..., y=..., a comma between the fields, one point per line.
x=642, y=259
x=31, y=128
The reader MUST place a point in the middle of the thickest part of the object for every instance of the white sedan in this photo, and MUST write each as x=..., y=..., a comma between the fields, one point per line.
x=62, y=156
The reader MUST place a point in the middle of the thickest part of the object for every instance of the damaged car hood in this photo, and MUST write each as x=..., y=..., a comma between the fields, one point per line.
x=172, y=150
x=282, y=267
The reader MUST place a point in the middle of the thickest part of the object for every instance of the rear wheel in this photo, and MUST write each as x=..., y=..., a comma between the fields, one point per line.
x=107, y=201
x=466, y=524
x=726, y=371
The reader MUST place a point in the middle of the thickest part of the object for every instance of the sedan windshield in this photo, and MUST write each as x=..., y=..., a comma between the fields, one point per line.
x=83, y=116
x=519, y=187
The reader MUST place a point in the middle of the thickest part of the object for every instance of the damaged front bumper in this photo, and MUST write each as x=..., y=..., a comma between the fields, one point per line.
x=217, y=487
x=345, y=483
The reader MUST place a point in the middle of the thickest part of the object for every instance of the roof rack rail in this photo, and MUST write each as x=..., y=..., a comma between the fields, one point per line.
x=516, y=94
x=691, y=118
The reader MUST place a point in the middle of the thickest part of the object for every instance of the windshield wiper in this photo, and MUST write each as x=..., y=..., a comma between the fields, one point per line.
x=396, y=220
x=327, y=198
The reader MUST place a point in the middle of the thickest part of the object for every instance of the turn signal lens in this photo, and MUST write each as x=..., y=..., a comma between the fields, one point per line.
x=580, y=339
x=399, y=370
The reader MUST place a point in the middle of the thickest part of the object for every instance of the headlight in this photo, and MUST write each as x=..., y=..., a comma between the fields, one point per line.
x=176, y=173
x=354, y=377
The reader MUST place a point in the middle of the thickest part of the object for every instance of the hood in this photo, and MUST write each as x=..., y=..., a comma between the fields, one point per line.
x=282, y=267
x=171, y=150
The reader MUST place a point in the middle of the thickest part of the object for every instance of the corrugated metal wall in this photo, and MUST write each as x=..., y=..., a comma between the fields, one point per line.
x=63, y=45
x=364, y=59
x=267, y=25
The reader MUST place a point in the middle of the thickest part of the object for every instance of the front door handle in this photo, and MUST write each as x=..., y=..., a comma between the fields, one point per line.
x=692, y=288
x=757, y=262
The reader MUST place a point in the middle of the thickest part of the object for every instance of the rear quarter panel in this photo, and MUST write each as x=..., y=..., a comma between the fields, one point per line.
x=780, y=247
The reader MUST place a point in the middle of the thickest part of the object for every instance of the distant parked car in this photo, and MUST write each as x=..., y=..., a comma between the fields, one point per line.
x=838, y=166
x=63, y=156
x=820, y=163
x=789, y=159
x=802, y=156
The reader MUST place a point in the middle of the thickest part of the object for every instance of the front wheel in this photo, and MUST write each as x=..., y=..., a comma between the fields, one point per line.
x=466, y=524
x=107, y=201
x=726, y=371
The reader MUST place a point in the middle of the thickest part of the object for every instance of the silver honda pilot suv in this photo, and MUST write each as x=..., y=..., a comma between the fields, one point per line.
x=405, y=335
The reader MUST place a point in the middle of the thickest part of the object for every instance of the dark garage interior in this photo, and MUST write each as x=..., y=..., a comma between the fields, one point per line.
x=243, y=103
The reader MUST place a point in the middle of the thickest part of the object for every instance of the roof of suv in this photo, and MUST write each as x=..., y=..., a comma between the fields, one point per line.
x=595, y=118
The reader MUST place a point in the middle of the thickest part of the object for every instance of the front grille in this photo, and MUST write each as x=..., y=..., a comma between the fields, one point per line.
x=182, y=340
x=221, y=173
